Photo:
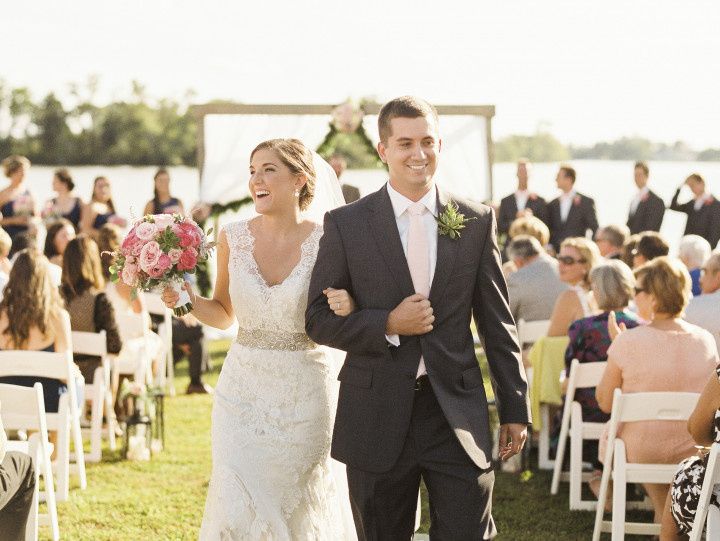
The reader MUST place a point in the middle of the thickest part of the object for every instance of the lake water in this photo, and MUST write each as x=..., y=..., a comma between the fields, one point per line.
x=610, y=183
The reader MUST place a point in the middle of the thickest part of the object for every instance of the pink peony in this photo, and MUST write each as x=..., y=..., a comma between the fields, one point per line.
x=149, y=255
x=130, y=241
x=174, y=255
x=188, y=259
x=164, y=262
x=130, y=274
x=156, y=272
x=163, y=221
x=145, y=231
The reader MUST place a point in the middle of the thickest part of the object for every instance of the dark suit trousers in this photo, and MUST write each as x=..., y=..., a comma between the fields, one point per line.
x=384, y=504
x=193, y=337
x=17, y=481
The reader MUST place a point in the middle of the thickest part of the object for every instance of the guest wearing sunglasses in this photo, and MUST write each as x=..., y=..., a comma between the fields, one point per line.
x=577, y=257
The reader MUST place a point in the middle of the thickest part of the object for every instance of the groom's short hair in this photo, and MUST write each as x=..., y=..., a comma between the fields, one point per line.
x=403, y=107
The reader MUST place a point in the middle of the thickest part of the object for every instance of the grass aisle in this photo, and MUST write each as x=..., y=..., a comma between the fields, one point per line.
x=163, y=499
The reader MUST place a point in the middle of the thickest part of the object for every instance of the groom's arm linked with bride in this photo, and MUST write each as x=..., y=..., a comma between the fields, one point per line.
x=393, y=427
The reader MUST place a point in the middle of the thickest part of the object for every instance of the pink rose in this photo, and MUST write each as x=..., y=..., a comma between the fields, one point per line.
x=130, y=274
x=188, y=260
x=145, y=231
x=190, y=235
x=174, y=255
x=149, y=255
x=156, y=272
x=129, y=242
x=164, y=262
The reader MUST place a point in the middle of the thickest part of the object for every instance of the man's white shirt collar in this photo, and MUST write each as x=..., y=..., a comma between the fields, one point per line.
x=400, y=203
x=569, y=195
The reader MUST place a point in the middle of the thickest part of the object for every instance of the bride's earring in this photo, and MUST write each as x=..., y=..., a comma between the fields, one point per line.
x=297, y=193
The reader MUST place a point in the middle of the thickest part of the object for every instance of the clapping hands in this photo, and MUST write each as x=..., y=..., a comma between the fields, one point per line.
x=613, y=328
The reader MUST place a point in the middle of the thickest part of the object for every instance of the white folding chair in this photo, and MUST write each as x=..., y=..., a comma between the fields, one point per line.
x=135, y=359
x=530, y=332
x=155, y=306
x=582, y=376
x=99, y=392
x=23, y=408
x=67, y=419
x=628, y=408
x=706, y=514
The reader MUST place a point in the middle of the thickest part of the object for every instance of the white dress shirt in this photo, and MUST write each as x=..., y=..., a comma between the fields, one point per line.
x=566, y=201
x=521, y=199
x=400, y=205
x=638, y=197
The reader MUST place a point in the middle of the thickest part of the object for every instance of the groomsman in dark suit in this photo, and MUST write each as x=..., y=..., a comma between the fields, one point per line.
x=703, y=211
x=521, y=203
x=572, y=214
x=647, y=209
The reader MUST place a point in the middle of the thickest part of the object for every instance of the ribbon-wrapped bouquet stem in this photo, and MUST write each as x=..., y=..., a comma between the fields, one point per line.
x=158, y=252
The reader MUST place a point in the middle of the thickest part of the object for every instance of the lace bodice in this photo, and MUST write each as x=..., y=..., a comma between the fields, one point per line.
x=259, y=307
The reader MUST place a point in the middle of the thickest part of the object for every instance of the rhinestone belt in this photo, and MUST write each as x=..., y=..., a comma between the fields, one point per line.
x=263, y=339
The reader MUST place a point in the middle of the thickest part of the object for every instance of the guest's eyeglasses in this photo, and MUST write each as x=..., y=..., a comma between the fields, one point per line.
x=639, y=290
x=567, y=260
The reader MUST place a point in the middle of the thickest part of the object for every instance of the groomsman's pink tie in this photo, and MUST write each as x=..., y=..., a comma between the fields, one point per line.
x=418, y=258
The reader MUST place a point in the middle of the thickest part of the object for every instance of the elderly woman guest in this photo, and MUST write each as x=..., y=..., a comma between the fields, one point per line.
x=32, y=318
x=163, y=202
x=59, y=233
x=612, y=286
x=17, y=205
x=694, y=251
x=668, y=354
x=577, y=257
x=100, y=210
x=89, y=308
x=66, y=205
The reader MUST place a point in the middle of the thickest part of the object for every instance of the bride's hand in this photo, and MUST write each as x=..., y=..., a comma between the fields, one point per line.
x=170, y=296
x=340, y=301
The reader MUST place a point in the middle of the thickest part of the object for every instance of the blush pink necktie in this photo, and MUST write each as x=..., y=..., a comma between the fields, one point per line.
x=418, y=258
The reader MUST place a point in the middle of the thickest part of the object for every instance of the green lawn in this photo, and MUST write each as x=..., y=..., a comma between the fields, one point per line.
x=164, y=499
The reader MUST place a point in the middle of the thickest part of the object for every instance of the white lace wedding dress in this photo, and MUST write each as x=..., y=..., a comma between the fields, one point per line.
x=272, y=477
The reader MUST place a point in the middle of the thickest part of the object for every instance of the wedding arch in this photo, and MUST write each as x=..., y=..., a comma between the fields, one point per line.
x=227, y=132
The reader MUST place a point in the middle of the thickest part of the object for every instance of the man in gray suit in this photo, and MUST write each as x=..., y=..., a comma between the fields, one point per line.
x=412, y=403
x=536, y=285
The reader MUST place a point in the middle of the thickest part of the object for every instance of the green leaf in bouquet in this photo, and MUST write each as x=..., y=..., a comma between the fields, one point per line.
x=168, y=240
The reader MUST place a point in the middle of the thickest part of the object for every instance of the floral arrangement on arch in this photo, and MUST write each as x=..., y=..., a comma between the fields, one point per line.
x=158, y=251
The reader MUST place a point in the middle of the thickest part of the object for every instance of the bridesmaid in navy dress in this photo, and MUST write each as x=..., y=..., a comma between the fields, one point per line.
x=17, y=204
x=100, y=210
x=66, y=205
x=163, y=202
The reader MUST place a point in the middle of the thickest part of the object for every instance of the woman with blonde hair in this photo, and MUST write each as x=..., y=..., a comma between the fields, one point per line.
x=577, y=257
x=32, y=318
x=667, y=354
x=17, y=205
x=530, y=225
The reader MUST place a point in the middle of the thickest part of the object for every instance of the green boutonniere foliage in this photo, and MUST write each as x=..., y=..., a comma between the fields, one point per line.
x=450, y=221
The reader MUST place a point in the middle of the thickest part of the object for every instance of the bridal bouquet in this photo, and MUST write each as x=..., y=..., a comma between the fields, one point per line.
x=158, y=251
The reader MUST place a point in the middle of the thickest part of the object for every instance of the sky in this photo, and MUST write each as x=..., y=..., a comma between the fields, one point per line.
x=586, y=71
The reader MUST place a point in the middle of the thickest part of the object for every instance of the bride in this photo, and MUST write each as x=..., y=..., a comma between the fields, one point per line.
x=275, y=399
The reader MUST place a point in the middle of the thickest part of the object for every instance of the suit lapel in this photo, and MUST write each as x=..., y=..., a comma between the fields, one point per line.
x=447, y=249
x=384, y=229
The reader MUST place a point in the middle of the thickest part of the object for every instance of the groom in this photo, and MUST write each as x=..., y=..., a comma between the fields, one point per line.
x=412, y=403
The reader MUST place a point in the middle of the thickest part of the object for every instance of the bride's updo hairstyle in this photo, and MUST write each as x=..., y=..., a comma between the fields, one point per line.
x=299, y=159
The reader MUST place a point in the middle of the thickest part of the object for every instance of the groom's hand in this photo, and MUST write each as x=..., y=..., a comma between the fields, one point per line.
x=512, y=439
x=412, y=317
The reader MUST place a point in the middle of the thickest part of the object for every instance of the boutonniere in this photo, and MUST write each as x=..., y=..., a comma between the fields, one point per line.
x=576, y=201
x=645, y=197
x=709, y=201
x=450, y=221
x=533, y=196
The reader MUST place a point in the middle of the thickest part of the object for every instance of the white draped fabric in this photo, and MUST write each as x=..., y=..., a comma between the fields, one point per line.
x=229, y=139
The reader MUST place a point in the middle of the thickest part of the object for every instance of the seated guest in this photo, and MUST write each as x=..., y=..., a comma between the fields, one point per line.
x=704, y=310
x=577, y=257
x=572, y=214
x=703, y=210
x=188, y=339
x=17, y=486
x=521, y=203
x=66, y=205
x=647, y=209
x=612, y=286
x=536, y=285
x=668, y=354
x=5, y=265
x=163, y=202
x=17, y=205
x=527, y=225
x=59, y=233
x=684, y=496
x=32, y=318
x=611, y=239
x=22, y=241
x=100, y=210
x=628, y=249
x=89, y=308
x=693, y=252
x=649, y=246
